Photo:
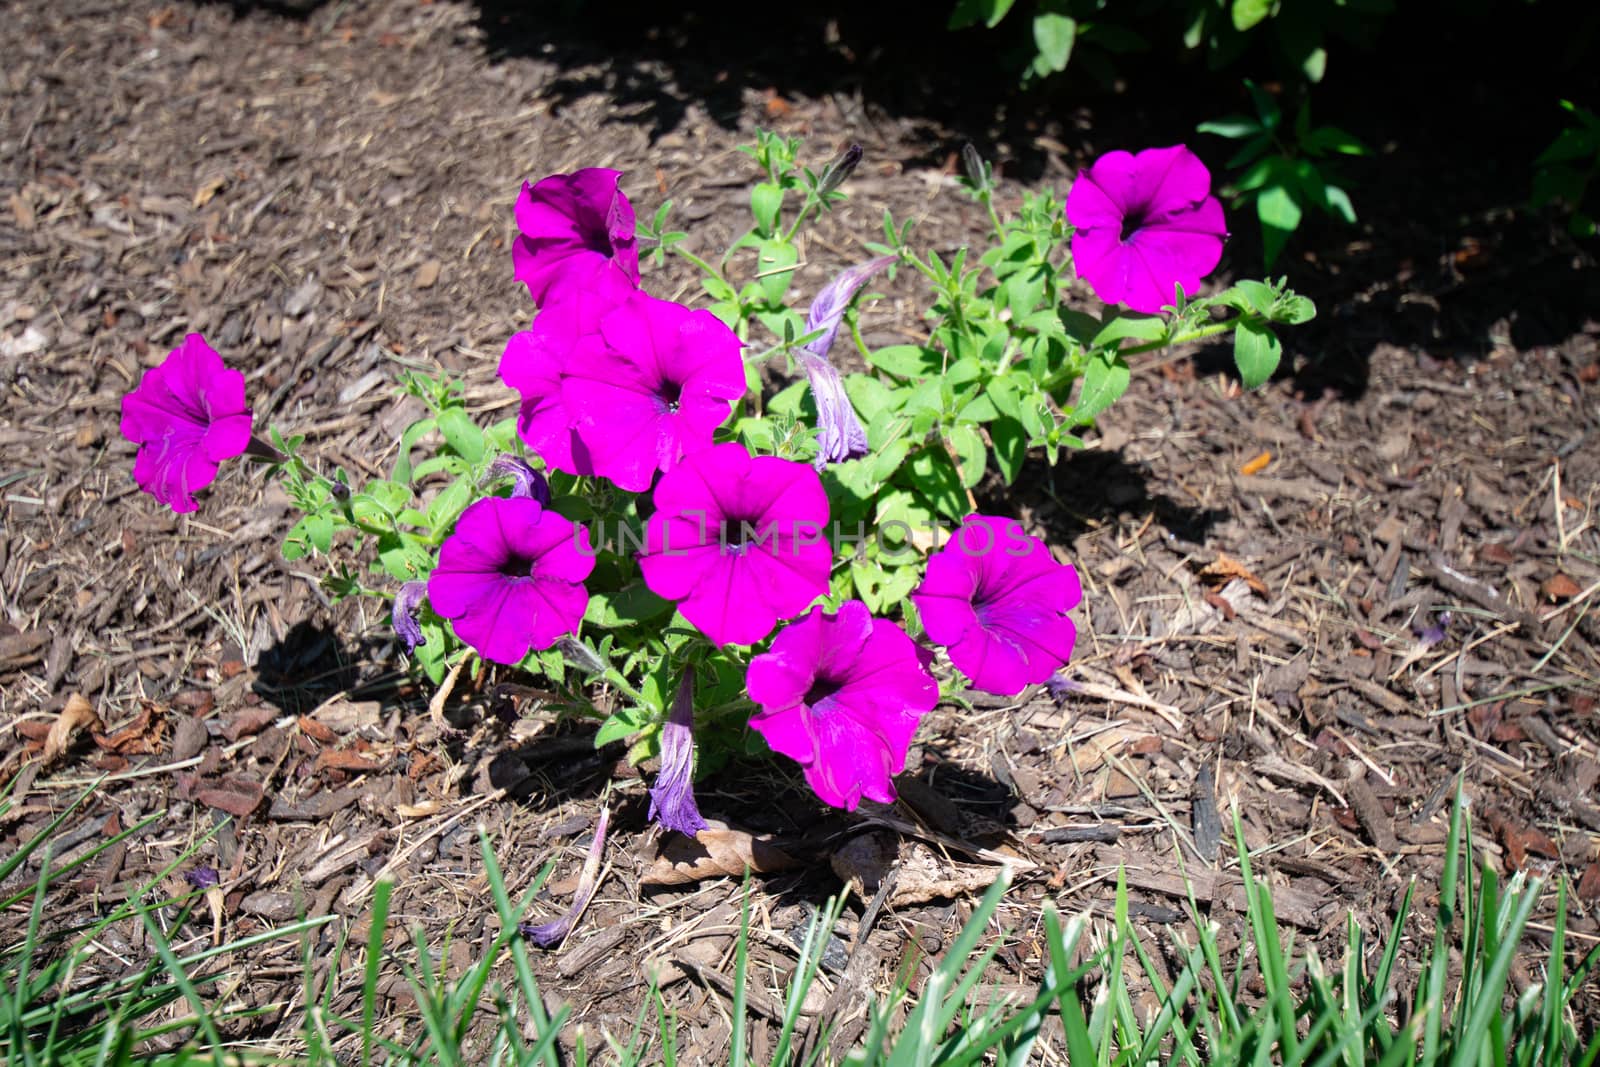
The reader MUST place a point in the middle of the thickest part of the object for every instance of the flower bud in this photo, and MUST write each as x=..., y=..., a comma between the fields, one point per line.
x=839, y=170
x=526, y=482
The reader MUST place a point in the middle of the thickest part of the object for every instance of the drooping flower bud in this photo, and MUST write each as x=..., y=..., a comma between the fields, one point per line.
x=672, y=802
x=526, y=482
x=407, y=605
x=840, y=435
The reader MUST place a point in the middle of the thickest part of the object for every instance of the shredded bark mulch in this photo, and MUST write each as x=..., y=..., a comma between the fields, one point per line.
x=1320, y=605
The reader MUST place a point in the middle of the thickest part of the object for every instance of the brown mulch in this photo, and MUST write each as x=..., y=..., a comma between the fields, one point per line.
x=327, y=196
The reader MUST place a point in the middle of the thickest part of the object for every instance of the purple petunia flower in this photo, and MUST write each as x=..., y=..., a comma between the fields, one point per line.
x=203, y=877
x=510, y=577
x=999, y=601
x=839, y=433
x=525, y=481
x=1144, y=225
x=186, y=416
x=407, y=605
x=672, y=796
x=536, y=360
x=738, y=542
x=576, y=228
x=841, y=694
x=664, y=379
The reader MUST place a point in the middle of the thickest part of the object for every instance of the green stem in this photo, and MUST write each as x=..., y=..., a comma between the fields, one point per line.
x=1061, y=377
x=805, y=209
x=994, y=217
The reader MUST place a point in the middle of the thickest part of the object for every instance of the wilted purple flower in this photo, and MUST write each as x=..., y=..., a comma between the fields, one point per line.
x=575, y=228
x=203, y=877
x=550, y=934
x=839, y=433
x=407, y=605
x=999, y=601
x=738, y=541
x=1145, y=224
x=510, y=577
x=1432, y=633
x=672, y=796
x=525, y=481
x=1059, y=686
x=187, y=415
x=842, y=694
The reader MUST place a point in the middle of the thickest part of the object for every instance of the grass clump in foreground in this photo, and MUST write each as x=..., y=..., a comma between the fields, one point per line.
x=1461, y=1012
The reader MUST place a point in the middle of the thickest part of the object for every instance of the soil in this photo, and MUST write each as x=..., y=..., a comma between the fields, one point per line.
x=1321, y=604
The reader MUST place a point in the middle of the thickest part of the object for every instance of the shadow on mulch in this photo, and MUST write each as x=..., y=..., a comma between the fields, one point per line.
x=1085, y=490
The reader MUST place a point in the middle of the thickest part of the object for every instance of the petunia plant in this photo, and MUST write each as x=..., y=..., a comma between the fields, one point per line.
x=703, y=557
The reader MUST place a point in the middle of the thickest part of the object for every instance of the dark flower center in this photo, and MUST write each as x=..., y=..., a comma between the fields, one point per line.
x=668, y=394
x=822, y=687
x=515, y=566
x=1133, y=222
x=596, y=234
x=738, y=535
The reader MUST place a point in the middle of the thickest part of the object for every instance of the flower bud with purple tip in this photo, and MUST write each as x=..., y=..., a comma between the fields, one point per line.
x=525, y=481
x=672, y=796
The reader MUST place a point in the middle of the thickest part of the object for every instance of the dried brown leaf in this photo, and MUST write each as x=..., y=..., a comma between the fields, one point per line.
x=1558, y=587
x=1225, y=568
x=925, y=876
x=142, y=736
x=716, y=852
x=75, y=718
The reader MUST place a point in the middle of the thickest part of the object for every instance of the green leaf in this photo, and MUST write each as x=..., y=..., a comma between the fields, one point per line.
x=319, y=531
x=1233, y=127
x=775, y=262
x=1104, y=380
x=1338, y=202
x=1010, y=447
x=628, y=606
x=624, y=722
x=1256, y=352
x=788, y=400
x=868, y=395
x=1280, y=216
x=1248, y=13
x=933, y=475
x=1260, y=296
x=408, y=440
x=971, y=451
x=1333, y=139
x=461, y=434
x=971, y=12
x=766, y=201
x=1137, y=327
x=444, y=508
x=906, y=361
x=1003, y=394
x=1053, y=35
x=888, y=459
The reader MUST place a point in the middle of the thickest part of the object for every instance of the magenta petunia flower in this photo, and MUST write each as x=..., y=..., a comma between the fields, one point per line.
x=186, y=416
x=576, y=228
x=738, y=541
x=999, y=601
x=839, y=433
x=672, y=801
x=663, y=381
x=841, y=694
x=536, y=361
x=510, y=577
x=1144, y=225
